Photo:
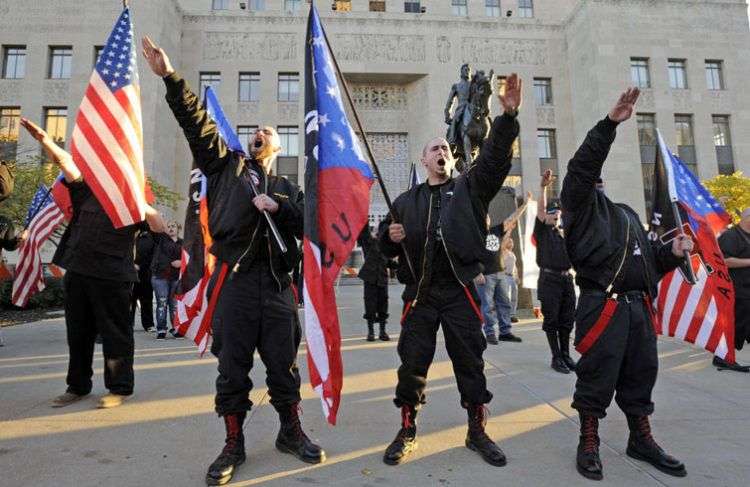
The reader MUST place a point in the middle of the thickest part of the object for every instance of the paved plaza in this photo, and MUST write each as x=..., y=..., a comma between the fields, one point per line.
x=167, y=434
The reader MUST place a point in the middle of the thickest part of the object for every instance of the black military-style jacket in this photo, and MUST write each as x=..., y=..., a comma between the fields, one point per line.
x=240, y=232
x=464, y=203
x=596, y=228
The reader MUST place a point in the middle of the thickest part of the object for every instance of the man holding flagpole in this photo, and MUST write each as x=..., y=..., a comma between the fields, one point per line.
x=256, y=309
x=617, y=269
x=442, y=227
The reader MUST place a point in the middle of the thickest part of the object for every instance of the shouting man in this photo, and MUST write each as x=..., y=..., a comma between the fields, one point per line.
x=256, y=309
x=441, y=226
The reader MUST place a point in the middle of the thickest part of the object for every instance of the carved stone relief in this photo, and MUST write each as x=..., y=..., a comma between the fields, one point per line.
x=391, y=151
x=482, y=50
x=379, y=97
x=380, y=48
x=249, y=46
x=288, y=111
x=443, y=49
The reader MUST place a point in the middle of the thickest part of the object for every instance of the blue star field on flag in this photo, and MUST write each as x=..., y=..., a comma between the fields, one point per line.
x=117, y=61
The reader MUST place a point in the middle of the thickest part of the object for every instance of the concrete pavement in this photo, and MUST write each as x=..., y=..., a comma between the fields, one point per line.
x=167, y=434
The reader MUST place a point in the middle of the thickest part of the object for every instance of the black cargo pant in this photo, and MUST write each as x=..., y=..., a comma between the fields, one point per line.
x=623, y=360
x=376, y=303
x=98, y=306
x=450, y=306
x=558, y=298
x=251, y=314
x=143, y=293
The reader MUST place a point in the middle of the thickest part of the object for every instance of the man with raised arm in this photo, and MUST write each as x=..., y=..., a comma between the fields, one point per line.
x=441, y=225
x=617, y=269
x=100, y=271
x=555, y=285
x=256, y=309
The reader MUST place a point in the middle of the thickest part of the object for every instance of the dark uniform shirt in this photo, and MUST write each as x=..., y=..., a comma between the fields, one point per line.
x=632, y=277
x=550, y=247
x=441, y=272
x=735, y=242
x=495, y=235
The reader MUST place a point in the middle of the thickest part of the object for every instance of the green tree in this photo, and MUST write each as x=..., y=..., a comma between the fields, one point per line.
x=732, y=191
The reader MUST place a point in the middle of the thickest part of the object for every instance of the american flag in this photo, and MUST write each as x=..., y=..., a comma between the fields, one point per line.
x=700, y=313
x=107, y=143
x=29, y=271
x=337, y=196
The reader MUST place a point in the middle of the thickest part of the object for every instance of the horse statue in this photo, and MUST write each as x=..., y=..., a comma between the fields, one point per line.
x=466, y=136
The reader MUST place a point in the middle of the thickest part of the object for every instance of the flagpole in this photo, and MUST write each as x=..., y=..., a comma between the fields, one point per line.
x=386, y=197
x=678, y=219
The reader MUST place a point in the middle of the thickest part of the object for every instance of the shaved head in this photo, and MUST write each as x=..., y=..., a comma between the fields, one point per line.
x=437, y=160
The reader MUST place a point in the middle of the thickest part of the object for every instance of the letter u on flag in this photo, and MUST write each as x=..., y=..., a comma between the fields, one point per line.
x=337, y=197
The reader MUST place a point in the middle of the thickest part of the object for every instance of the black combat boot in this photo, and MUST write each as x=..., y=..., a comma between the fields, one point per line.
x=370, y=331
x=406, y=438
x=588, y=462
x=642, y=446
x=558, y=364
x=564, y=336
x=291, y=438
x=383, y=335
x=478, y=441
x=233, y=455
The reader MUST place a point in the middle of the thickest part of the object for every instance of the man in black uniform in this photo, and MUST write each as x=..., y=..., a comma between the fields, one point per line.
x=142, y=291
x=617, y=270
x=98, y=283
x=555, y=285
x=442, y=228
x=256, y=307
x=735, y=245
x=374, y=273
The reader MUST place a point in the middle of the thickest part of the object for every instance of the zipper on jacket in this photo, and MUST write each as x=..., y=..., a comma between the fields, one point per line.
x=255, y=232
x=448, y=255
x=270, y=264
x=424, y=252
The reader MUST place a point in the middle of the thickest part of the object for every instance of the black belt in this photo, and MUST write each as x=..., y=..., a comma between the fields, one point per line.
x=553, y=271
x=624, y=297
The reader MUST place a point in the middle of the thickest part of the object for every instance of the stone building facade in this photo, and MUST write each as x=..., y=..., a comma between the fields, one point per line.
x=689, y=56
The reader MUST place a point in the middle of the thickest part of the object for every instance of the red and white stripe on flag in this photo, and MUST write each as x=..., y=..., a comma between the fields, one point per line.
x=107, y=142
x=691, y=313
x=29, y=271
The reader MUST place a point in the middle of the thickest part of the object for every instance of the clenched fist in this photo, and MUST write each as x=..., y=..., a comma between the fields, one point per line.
x=396, y=232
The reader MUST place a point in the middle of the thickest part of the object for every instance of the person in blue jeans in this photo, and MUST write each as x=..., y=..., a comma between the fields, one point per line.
x=165, y=272
x=496, y=301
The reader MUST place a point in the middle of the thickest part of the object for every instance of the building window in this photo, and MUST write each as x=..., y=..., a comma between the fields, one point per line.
x=289, y=137
x=14, y=62
x=546, y=145
x=287, y=162
x=526, y=9
x=677, y=74
x=257, y=5
x=459, y=8
x=209, y=79
x=56, y=123
x=288, y=87
x=249, y=89
x=343, y=5
x=543, y=91
x=647, y=136
x=292, y=6
x=412, y=7
x=516, y=148
x=244, y=133
x=220, y=4
x=715, y=75
x=723, y=144
x=502, y=82
x=377, y=5
x=492, y=8
x=60, y=61
x=97, y=54
x=683, y=125
x=9, y=118
x=639, y=72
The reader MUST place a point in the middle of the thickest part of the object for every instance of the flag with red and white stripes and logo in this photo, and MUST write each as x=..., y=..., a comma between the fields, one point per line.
x=107, y=142
x=703, y=312
x=44, y=219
